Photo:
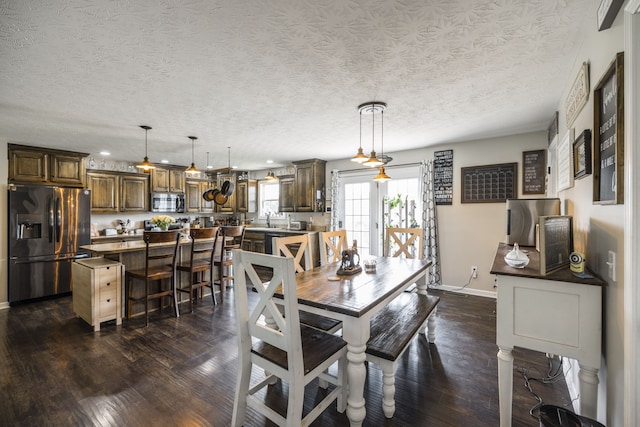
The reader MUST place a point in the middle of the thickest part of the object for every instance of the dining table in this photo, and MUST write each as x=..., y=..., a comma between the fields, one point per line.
x=355, y=299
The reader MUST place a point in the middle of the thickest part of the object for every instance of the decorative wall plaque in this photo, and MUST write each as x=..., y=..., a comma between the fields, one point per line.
x=578, y=95
x=608, y=135
x=489, y=184
x=534, y=168
x=443, y=177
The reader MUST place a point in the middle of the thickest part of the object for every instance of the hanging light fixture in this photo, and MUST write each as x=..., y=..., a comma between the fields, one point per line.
x=209, y=166
x=271, y=177
x=360, y=157
x=192, y=170
x=145, y=165
x=372, y=108
x=382, y=175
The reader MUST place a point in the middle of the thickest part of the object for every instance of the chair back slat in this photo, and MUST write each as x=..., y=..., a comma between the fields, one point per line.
x=296, y=247
x=283, y=331
x=405, y=242
x=151, y=237
x=203, y=243
x=332, y=243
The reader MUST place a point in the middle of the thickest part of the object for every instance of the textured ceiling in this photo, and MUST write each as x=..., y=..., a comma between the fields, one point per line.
x=279, y=79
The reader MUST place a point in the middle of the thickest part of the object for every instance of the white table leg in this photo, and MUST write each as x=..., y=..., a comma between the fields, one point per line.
x=421, y=284
x=589, y=381
x=505, y=384
x=356, y=334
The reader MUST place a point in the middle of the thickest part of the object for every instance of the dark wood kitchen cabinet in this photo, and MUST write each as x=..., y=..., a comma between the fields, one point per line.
x=168, y=179
x=194, y=189
x=116, y=192
x=253, y=241
x=310, y=185
x=287, y=196
x=247, y=196
x=29, y=165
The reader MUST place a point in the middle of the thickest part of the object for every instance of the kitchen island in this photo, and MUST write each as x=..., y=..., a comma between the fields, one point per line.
x=132, y=255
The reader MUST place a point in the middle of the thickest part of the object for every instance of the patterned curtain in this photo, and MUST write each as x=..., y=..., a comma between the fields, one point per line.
x=429, y=222
x=335, y=200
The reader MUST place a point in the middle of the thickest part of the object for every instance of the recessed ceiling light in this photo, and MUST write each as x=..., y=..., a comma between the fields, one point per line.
x=105, y=153
x=164, y=161
x=269, y=161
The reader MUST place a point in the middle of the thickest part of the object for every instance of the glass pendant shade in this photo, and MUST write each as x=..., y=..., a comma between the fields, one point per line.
x=146, y=164
x=192, y=170
x=373, y=161
x=382, y=175
x=360, y=157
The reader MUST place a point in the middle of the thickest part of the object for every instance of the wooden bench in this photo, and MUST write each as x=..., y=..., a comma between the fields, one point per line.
x=392, y=330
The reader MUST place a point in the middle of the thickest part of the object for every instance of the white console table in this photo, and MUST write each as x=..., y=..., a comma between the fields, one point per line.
x=558, y=313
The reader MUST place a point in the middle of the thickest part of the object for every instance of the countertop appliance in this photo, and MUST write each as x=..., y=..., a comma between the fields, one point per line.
x=522, y=218
x=47, y=226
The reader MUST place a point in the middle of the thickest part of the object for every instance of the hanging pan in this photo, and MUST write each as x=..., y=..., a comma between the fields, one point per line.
x=227, y=188
x=219, y=198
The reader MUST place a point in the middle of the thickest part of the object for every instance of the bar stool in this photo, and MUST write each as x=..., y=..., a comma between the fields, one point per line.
x=203, y=245
x=232, y=238
x=153, y=272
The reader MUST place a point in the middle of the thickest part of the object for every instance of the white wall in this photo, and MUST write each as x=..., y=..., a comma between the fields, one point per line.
x=468, y=233
x=600, y=228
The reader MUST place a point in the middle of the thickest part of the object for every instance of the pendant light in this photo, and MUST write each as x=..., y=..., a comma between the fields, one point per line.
x=192, y=170
x=145, y=165
x=360, y=157
x=372, y=108
x=382, y=175
x=209, y=166
x=271, y=177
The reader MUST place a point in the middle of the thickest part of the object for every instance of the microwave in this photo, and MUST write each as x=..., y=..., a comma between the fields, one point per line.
x=167, y=202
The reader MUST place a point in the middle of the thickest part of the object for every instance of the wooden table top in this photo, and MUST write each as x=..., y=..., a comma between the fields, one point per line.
x=356, y=295
x=532, y=270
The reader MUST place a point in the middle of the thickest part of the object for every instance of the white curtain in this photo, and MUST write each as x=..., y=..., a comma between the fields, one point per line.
x=335, y=200
x=429, y=222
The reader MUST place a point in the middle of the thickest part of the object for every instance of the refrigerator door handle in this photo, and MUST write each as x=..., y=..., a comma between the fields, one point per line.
x=58, y=219
x=50, y=220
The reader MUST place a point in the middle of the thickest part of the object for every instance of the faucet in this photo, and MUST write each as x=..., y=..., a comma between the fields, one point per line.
x=268, y=220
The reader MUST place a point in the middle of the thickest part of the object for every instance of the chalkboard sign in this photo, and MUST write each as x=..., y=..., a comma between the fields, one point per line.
x=534, y=167
x=489, y=184
x=443, y=177
x=608, y=135
x=556, y=242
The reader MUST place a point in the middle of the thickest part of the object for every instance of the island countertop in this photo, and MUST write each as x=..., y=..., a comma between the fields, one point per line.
x=129, y=246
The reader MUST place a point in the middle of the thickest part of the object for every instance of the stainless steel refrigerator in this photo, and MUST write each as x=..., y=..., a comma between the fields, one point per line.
x=47, y=226
x=522, y=218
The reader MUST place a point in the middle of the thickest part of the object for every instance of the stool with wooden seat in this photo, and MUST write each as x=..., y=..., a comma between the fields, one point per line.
x=405, y=242
x=298, y=248
x=287, y=350
x=159, y=266
x=200, y=265
x=232, y=238
x=332, y=243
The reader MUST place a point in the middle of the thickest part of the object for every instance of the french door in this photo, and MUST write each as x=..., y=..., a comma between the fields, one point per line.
x=366, y=206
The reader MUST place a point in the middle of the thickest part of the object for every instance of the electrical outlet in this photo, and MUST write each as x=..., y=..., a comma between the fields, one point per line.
x=474, y=272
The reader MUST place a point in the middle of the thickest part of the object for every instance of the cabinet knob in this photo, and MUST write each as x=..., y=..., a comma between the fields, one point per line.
x=108, y=283
x=109, y=300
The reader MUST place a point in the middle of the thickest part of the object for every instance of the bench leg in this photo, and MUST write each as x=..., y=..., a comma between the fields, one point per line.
x=388, y=387
x=430, y=326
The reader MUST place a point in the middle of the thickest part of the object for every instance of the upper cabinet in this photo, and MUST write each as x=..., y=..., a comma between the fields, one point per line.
x=247, y=196
x=310, y=177
x=194, y=189
x=304, y=191
x=29, y=165
x=168, y=179
x=113, y=192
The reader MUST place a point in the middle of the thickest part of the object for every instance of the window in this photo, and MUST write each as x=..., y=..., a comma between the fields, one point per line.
x=268, y=198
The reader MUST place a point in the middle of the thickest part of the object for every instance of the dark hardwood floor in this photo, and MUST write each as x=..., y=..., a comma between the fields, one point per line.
x=55, y=371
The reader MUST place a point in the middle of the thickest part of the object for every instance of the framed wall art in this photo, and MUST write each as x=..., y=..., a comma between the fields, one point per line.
x=608, y=135
x=582, y=155
x=564, y=159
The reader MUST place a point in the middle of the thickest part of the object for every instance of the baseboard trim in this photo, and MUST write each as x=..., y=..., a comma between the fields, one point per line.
x=4, y=305
x=467, y=291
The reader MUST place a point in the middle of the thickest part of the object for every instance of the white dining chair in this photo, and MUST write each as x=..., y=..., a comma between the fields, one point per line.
x=332, y=243
x=287, y=350
x=405, y=242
